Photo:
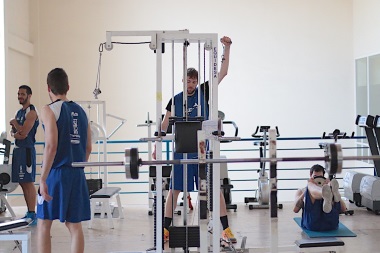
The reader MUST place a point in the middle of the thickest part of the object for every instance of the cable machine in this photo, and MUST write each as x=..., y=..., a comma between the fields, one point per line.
x=157, y=43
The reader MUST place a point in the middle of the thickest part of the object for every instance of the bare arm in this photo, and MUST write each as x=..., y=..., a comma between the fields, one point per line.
x=164, y=127
x=15, y=125
x=89, y=143
x=18, y=136
x=50, y=150
x=226, y=41
x=165, y=122
x=298, y=203
x=343, y=206
x=23, y=130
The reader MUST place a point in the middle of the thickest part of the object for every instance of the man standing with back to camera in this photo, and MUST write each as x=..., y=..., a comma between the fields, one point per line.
x=63, y=192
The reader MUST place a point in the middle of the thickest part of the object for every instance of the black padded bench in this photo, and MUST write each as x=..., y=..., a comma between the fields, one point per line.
x=331, y=244
x=103, y=196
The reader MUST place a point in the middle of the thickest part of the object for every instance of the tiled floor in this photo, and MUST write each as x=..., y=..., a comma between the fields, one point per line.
x=135, y=232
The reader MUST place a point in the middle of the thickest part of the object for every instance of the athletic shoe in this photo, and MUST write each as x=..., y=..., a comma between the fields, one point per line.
x=166, y=235
x=31, y=216
x=228, y=235
x=335, y=190
x=225, y=245
x=327, y=196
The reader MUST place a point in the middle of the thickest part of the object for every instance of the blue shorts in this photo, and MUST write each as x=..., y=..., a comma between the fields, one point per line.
x=192, y=175
x=23, y=165
x=71, y=201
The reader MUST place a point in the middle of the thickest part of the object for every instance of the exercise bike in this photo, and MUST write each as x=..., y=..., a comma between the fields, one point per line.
x=263, y=190
x=6, y=184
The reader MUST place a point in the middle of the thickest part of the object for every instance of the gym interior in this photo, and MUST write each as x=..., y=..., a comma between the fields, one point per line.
x=309, y=68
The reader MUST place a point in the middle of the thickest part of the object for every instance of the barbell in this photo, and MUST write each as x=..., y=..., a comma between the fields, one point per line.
x=333, y=159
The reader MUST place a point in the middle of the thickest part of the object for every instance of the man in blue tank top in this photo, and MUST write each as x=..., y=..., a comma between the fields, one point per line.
x=192, y=169
x=321, y=202
x=63, y=192
x=23, y=129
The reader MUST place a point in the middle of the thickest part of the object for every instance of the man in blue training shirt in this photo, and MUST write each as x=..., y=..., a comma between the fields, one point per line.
x=24, y=128
x=321, y=202
x=192, y=169
x=63, y=192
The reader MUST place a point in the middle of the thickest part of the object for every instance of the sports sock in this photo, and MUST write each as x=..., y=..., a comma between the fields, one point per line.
x=224, y=221
x=167, y=222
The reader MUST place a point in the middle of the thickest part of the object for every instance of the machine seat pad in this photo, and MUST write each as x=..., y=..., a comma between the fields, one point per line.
x=106, y=192
x=15, y=224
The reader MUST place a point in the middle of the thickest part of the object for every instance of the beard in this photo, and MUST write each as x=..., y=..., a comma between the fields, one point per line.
x=190, y=92
x=22, y=101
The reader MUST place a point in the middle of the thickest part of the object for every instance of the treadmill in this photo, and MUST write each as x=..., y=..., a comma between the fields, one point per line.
x=370, y=185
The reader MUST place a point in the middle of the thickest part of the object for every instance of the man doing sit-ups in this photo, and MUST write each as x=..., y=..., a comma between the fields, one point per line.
x=321, y=202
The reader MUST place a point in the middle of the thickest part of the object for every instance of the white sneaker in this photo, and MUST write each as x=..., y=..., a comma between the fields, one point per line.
x=327, y=196
x=335, y=189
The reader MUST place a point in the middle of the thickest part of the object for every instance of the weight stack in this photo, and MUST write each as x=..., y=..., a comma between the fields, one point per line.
x=179, y=236
x=209, y=181
x=155, y=220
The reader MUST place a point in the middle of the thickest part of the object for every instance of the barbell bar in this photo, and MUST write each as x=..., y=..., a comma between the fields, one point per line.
x=333, y=159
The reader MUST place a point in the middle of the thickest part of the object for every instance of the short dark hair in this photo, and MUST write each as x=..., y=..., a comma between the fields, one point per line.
x=192, y=73
x=27, y=88
x=317, y=168
x=58, y=81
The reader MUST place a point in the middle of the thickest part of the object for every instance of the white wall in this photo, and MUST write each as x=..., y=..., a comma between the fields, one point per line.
x=291, y=61
x=2, y=68
x=366, y=23
x=18, y=53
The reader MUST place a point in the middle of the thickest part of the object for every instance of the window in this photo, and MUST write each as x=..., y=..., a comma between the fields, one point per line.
x=367, y=93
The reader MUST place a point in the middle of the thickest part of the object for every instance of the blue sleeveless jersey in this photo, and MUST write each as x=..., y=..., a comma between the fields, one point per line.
x=313, y=217
x=192, y=111
x=71, y=121
x=30, y=140
x=192, y=105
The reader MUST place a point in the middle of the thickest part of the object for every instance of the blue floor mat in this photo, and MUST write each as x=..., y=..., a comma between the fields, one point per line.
x=342, y=231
